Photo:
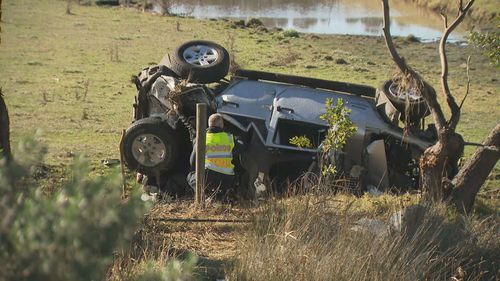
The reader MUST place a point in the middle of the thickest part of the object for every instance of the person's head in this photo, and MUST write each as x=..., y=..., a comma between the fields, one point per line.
x=216, y=120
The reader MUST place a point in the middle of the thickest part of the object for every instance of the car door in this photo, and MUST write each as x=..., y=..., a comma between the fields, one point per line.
x=250, y=104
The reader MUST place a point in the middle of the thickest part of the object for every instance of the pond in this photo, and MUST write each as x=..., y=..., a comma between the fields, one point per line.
x=357, y=17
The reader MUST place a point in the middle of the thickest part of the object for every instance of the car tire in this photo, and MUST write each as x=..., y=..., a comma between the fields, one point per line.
x=418, y=106
x=205, y=61
x=150, y=146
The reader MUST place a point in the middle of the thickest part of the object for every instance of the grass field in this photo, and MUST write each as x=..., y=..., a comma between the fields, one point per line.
x=59, y=77
x=68, y=77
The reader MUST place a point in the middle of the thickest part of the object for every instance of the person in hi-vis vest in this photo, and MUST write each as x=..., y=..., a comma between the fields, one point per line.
x=221, y=150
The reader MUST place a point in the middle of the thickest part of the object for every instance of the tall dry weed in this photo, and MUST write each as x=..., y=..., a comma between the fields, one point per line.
x=312, y=239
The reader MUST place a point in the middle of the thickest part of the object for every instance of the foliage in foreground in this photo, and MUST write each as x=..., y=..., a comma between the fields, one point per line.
x=154, y=257
x=307, y=238
x=488, y=42
x=301, y=141
x=340, y=128
x=69, y=235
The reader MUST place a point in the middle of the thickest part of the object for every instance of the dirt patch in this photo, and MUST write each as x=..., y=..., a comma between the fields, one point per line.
x=177, y=229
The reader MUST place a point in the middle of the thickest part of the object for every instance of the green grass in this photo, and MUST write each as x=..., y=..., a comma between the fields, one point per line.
x=45, y=52
x=46, y=56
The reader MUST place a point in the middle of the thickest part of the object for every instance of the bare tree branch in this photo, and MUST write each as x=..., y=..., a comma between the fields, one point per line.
x=445, y=20
x=455, y=109
x=390, y=44
x=468, y=84
x=427, y=91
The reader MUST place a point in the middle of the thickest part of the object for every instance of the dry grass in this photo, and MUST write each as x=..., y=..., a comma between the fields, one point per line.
x=313, y=237
x=310, y=235
x=308, y=232
x=160, y=240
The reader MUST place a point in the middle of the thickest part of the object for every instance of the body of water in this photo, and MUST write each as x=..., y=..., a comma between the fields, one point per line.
x=357, y=17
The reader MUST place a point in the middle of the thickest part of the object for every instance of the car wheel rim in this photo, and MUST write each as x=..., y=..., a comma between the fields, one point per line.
x=412, y=95
x=200, y=55
x=148, y=150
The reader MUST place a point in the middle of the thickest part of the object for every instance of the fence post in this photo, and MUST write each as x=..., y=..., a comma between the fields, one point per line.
x=201, y=126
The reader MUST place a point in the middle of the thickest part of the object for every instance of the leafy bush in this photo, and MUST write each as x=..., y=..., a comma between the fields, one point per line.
x=291, y=33
x=488, y=42
x=340, y=129
x=253, y=22
x=301, y=141
x=69, y=235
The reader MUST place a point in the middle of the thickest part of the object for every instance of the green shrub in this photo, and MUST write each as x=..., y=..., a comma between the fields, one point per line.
x=340, y=129
x=291, y=33
x=69, y=235
x=253, y=22
x=488, y=42
x=301, y=141
x=412, y=38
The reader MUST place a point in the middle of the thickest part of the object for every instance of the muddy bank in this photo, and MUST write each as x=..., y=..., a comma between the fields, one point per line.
x=482, y=15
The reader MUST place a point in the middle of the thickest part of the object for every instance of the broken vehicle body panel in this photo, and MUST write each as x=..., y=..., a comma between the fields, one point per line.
x=276, y=112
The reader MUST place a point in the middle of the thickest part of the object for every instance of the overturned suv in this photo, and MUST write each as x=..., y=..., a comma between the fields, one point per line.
x=266, y=110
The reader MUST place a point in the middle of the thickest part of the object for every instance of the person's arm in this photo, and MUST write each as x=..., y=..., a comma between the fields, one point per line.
x=239, y=145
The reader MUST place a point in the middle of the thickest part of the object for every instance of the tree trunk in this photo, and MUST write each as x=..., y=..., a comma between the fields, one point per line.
x=438, y=165
x=432, y=163
x=471, y=177
x=4, y=129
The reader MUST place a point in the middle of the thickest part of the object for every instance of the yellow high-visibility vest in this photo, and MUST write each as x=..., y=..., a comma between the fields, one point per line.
x=219, y=154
